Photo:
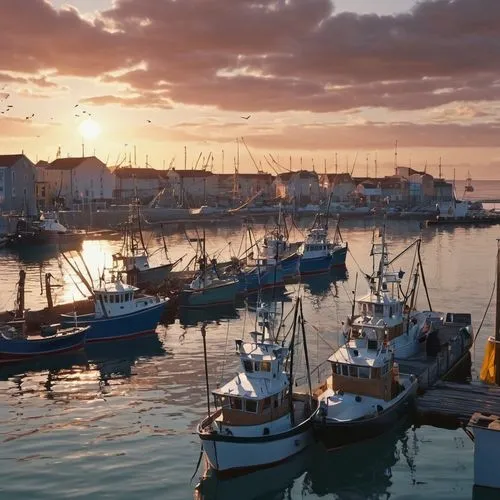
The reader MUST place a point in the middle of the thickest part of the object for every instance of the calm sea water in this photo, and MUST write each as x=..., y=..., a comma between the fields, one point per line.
x=118, y=422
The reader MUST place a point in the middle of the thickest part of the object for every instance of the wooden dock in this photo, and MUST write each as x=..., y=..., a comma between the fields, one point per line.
x=451, y=405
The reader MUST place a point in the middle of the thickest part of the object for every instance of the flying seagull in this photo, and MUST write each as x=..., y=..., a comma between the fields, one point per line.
x=246, y=117
x=76, y=105
x=149, y=121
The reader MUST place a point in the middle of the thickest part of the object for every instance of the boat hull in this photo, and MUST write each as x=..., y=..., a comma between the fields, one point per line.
x=118, y=327
x=16, y=350
x=263, y=277
x=316, y=265
x=291, y=266
x=339, y=256
x=151, y=277
x=233, y=456
x=335, y=434
x=218, y=295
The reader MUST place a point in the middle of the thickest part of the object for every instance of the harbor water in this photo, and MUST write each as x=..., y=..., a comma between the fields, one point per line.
x=118, y=421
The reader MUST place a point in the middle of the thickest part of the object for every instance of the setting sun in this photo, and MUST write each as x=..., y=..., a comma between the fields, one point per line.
x=89, y=129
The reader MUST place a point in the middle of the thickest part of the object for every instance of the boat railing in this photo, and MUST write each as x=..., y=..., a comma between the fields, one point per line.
x=321, y=372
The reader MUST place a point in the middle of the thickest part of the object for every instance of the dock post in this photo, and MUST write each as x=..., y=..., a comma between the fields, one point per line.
x=48, y=290
x=497, y=321
x=20, y=293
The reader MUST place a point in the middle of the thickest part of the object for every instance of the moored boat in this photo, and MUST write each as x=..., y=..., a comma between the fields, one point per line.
x=365, y=394
x=257, y=423
x=119, y=312
x=17, y=346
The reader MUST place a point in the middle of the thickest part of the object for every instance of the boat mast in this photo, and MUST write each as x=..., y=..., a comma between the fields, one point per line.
x=203, y=335
x=306, y=354
x=382, y=262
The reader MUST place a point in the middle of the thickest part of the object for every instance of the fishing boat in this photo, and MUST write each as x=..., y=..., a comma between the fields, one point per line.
x=46, y=230
x=256, y=423
x=385, y=310
x=16, y=345
x=318, y=254
x=120, y=312
x=134, y=259
x=365, y=395
x=209, y=286
x=469, y=188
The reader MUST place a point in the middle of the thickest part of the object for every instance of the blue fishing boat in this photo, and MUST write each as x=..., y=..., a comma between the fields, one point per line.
x=16, y=345
x=318, y=253
x=208, y=288
x=264, y=276
x=120, y=313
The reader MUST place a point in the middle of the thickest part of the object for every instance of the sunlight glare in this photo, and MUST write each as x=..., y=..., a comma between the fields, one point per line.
x=89, y=129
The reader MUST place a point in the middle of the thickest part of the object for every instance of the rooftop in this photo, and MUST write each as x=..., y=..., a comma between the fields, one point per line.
x=9, y=160
x=138, y=173
x=69, y=163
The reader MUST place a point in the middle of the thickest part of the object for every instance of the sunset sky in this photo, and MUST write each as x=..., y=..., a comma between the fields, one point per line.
x=317, y=77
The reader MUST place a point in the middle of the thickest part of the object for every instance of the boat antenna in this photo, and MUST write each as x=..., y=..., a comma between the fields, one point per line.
x=382, y=262
x=353, y=309
x=203, y=335
x=306, y=354
x=423, y=276
x=292, y=349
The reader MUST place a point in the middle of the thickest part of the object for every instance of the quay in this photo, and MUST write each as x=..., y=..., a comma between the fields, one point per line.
x=451, y=405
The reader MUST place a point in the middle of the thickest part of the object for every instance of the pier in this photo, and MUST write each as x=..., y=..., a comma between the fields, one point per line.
x=451, y=405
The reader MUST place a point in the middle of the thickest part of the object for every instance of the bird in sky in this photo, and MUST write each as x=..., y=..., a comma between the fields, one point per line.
x=78, y=116
x=76, y=105
x=246, y=117
x=149, y=121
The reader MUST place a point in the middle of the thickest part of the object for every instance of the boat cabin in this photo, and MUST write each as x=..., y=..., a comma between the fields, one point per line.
x=360, y=370
x=261, y=392
x=132, y=262
x=117, y=299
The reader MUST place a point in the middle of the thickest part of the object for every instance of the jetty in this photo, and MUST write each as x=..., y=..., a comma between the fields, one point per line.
x=451, y=405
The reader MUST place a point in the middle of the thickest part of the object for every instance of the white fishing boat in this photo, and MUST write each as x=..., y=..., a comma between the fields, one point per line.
x=365, y=394
x=257, y=423
x=386, y=311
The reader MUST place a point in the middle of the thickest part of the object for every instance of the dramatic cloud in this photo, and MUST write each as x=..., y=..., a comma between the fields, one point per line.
x=365, y=136
x=266, y=55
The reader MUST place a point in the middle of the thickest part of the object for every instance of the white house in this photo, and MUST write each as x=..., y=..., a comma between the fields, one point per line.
x=340, y=186
x=17, y=184
x=301, y=187
x=143, y=183
x=191, y=188
x=71, y=181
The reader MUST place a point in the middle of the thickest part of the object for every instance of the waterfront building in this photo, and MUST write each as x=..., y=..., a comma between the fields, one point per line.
x=300, y=188
x=191, y=188
x=339, y=186
x=369, y=191
x=394, y=189
x=71, y=182
x=143, y=183
x=17, y=184
x=443, y=191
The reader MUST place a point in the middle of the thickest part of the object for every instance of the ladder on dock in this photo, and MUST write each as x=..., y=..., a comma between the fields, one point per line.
x=452, y=405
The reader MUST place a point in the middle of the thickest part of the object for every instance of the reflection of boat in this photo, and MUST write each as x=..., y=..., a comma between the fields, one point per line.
x=321, y=284
x=119, y=312
x=259, y=484
x=191, y=317
x=16, y=345
x=112, y=359
x=257, y=423
x=362, y=470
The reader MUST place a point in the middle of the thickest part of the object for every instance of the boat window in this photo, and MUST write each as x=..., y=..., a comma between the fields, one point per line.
x=379, y=309
x=265, y=366
x=257, y=366
x=345, y=370
x=266, y=404
x=236, y=404
x=248, y=365
x=251, y=405
x=275, y=401
x=353, y=371
x=363, y=372
x=111, y=299
x=375, y=373
x=105, y=298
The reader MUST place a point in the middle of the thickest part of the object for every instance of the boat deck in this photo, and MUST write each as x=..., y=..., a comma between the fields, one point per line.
x=452, y=352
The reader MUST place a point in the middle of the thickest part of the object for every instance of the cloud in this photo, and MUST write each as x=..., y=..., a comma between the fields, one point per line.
x=20, y=128
x=317, y=136
x=265, y=55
